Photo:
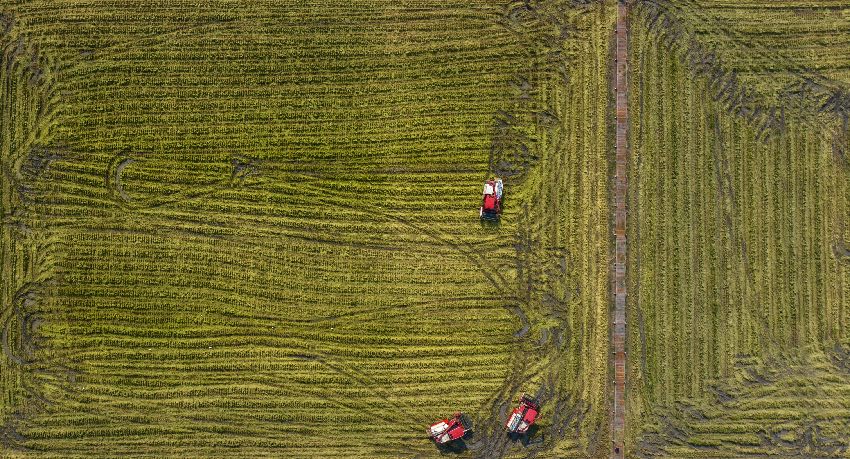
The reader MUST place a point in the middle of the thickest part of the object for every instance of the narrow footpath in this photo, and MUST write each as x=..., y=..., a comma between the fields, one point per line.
x=618, y=331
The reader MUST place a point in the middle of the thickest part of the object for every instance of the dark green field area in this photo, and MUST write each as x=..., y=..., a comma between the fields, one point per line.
x=250, y=228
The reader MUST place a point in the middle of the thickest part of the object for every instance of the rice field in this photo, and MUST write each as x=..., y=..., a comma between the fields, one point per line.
x=740, y=317
x=249, y=229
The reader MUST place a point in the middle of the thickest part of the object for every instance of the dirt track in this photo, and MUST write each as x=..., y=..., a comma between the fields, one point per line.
x=618, y=332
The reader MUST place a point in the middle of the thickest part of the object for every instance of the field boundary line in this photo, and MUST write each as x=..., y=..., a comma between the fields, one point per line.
x=618, y=274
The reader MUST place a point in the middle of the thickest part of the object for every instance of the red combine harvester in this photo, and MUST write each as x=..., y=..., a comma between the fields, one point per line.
x=491, y=202
x=523, y=416
x=450, y=429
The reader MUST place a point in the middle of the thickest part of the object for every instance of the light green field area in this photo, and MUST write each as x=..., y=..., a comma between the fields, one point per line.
x=250, y=229
x=741, y=283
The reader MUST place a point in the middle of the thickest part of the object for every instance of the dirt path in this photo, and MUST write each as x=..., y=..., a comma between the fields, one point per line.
x=618, y=331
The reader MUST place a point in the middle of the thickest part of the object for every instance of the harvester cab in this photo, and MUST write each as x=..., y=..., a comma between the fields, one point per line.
x=449, y=430
x=491, y=201
x=523, y=416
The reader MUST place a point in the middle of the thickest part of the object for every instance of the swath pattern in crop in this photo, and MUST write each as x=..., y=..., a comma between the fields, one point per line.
x=262, y=232
x=734, y=266
x=246, y=224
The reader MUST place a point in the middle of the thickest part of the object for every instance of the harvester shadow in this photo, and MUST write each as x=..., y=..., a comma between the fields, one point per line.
x=527, y=438
x=456, y=447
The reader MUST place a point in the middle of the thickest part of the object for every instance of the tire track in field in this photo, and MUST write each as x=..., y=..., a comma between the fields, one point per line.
x=191, y=32
x=402, y=413
x=398, y=415
x=432, y=302
x=115, y=186
x=28, y=112
x=404, y=410
x=116, y=189
x=22, y=66
x=493, y=276
x=813, y=93
x=116, y=173
x=27, y=325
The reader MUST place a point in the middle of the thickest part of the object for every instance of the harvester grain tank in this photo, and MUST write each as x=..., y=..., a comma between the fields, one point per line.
x=449, y=430
x=491, y=201
x=523, y=416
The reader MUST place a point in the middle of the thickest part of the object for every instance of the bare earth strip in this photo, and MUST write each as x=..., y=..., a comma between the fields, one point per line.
x=618, y=335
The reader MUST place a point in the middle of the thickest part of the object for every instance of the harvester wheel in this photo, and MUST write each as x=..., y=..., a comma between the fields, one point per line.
x=466, y=422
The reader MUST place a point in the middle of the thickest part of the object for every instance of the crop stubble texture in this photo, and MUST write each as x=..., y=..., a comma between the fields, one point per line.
x=250, y=228
x=741, y=298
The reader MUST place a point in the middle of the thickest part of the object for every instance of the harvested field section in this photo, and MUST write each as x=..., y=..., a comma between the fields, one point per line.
x=277, y=344
x=562, y=250
x=267, y=228
x=264, y=227
x=792, y=405
x=769, y=62
x=733, y=265
x=779, y=47
x=27, y=114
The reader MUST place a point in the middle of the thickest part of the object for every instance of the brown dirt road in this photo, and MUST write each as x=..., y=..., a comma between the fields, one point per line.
x=618, y=331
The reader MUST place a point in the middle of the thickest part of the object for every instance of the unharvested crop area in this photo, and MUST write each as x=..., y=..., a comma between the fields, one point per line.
x=249, y=228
